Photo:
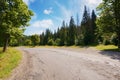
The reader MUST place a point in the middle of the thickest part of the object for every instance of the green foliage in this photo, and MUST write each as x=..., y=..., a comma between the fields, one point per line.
x=42, y=39
x=13, y=42
x=109, y=20
x=88, y=27
x=28, y=42
x=71, y=32
x=35, y=40
x=114, y=39
x=106, y=42
x=50, y=42
x=93, y=27
x=57, y=42
x=63, y=34
x=47, y=36
x=15, y=15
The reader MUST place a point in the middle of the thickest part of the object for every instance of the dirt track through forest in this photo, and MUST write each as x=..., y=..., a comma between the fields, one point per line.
x=66, y=64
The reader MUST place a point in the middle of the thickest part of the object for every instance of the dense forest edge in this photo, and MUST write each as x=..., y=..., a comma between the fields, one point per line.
x=103, y=28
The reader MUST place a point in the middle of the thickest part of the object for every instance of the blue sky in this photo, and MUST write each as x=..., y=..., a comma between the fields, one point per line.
x=51, y=13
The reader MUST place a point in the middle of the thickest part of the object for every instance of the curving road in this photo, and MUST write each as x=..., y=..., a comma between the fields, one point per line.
x=66, y=64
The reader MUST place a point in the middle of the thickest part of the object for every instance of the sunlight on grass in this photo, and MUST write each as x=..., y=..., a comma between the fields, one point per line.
x=107, y=47
x=8, y=61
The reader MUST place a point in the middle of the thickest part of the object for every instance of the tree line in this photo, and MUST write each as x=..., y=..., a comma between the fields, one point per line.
x=86, y=33
x=67, y=35
x=104, y=29
x=72, y=34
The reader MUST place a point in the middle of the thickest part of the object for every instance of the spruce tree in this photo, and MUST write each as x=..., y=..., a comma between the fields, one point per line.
x=86, y=28
x=93, y=25
x=71, y=32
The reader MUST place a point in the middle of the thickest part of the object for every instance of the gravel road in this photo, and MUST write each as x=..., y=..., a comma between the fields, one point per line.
x=66, y=64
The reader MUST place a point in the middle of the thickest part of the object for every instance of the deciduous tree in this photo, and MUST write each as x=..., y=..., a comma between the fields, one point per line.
x=14, y=17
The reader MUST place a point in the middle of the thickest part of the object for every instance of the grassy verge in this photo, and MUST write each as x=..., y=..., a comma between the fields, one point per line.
x=107, y=48
x=99, y=47
x=8, y=61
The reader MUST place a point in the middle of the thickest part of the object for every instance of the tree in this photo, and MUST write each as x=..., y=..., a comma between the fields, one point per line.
x=57, y=42
x=109, y=20
x=77, y=39
x=48, y=35
x=116, y=9
x=63, y=34
x=35, y=39
x=50, y=42
x=71, y=32
x=93, y=26
x=42, y=36
x=28, y=42
x=14, y=17
x=86, y=28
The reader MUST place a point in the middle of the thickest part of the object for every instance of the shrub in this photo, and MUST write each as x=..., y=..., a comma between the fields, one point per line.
x=106, y=42
x=51, y=42
x=57, y=42
x=114, y=39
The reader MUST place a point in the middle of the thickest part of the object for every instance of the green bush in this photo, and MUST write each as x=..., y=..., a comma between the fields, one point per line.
x=28, y=42
x=114, y=39
x=106, y=42
x=51, y=42
x=57, y=42
x=35, y=40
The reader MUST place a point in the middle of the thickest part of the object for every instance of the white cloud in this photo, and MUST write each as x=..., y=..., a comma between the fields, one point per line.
x=43, y=23
x=48, y=11
x=28, y=1
x=94, y=2
x=35, y=32
x=39, y=26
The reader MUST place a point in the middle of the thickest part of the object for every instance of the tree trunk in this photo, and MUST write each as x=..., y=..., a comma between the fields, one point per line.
x=6, y=43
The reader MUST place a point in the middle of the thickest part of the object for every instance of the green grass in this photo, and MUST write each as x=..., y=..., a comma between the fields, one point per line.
x=99, y=47
x=8, y=61
x=107, y=48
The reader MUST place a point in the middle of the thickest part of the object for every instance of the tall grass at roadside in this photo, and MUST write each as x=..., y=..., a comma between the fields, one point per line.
x=107, y=48
x=8, y=61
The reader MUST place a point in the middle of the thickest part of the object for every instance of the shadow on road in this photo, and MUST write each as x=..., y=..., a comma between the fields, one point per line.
x=111, y=54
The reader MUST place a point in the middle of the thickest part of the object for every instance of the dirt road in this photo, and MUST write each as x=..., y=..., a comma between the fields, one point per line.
x=66, y=64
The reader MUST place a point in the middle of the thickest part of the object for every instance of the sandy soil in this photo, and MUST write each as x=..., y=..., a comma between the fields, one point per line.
x=67, y=64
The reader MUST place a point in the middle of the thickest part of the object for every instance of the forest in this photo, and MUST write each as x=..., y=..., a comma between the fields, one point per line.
x=97, y=27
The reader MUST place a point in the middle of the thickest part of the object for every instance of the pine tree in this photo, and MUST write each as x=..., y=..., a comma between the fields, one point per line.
x=71, y=32
x=77, y=41
x=86, y=27
x=48, y=36
x=63, y=34
x=93, y=25
x=42, y=36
